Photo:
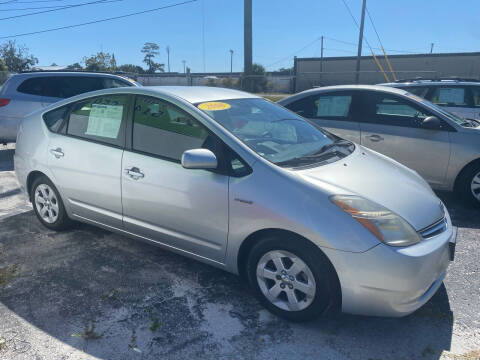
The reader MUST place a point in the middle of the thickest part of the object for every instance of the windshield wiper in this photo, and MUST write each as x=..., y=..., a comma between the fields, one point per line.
x=325, y=149
x=321, y=155
x=470, y=122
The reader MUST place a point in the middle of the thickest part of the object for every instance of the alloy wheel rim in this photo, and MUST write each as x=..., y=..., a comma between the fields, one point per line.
x=475, y=186
x=286, y=280
x=46, y=203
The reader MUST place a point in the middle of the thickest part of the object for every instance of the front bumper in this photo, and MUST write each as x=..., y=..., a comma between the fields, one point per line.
x=389, y=281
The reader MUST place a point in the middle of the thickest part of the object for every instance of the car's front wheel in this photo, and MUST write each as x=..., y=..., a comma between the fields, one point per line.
x=291, y=278
x=48, y=205
x=469, y=185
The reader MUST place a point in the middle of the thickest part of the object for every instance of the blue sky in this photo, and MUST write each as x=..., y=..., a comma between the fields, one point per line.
x=280, y=29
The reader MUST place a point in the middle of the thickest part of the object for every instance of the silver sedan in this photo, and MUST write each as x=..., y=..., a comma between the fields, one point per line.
x=313, y=221
x=440, y=146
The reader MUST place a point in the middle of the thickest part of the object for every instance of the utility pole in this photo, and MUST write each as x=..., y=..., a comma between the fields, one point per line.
x=321, y=53
x=247, y=44
x=183, y=61
x=431, y=47
x=168, y=57
x=231, y=60
x=360, y=41
x=203, y=35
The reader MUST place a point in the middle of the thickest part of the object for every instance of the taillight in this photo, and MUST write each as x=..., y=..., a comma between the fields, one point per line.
x=4, y=102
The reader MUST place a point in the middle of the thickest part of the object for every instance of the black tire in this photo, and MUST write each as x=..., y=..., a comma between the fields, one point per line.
x=326, y=289
x=62, y=221
x=464, y=184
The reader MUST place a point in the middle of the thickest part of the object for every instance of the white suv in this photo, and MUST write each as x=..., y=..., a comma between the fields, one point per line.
x=26, y=92
x=459, y=96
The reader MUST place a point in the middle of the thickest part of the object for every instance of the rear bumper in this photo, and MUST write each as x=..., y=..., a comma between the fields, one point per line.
x=388, y=281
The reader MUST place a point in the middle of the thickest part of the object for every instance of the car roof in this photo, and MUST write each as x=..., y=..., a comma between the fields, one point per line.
x=26, y=75
x=430, y=83
x=196, y=94
x=340, y=88
x=190, y=94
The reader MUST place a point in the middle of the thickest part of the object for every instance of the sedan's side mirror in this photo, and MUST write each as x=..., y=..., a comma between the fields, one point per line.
x=199, y=159
x=431, y=123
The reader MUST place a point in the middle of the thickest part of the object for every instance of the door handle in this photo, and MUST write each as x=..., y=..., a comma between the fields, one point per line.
x=134, y=173
x=58, y=153
x=375, y=137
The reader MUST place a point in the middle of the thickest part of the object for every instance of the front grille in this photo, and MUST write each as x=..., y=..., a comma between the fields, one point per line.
x=434, y=229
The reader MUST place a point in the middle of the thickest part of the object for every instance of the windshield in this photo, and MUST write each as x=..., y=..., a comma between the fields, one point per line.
x=275, y=133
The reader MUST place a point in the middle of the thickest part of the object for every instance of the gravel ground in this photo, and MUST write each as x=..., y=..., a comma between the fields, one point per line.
x=88, y=293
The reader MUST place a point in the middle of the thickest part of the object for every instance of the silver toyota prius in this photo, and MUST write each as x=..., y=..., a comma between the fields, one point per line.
x=312, y=221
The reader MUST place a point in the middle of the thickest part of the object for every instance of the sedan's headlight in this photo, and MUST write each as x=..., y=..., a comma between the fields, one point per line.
x=387, y=226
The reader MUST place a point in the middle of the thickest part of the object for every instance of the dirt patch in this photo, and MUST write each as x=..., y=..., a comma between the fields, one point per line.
x=7, y=274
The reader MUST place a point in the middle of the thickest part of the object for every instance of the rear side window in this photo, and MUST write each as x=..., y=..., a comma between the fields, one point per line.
x=162, y=129
x=108, y=83
x=454, y=96
x=33, y=86
x=332, y=106
x=100, y=119
x=55, y=119
x=67, y=86
x=327, y=106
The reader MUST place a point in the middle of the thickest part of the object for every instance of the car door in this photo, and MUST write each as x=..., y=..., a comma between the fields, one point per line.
x=391, y=125
x=162, y=201
x=453, y=98
x=85, y=157
x=333, y=111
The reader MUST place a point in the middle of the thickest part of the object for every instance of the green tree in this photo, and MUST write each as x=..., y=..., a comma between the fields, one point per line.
x=75, y=66
x=3, y=72
x=15, y=57
x=102, y=61
x=228, y=82
x=113, y=63
x=151, y=50
x=130, y=68
x=259, y=79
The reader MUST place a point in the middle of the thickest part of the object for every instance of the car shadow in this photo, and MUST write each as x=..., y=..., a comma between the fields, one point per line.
x=462, y=215
x=113, y=297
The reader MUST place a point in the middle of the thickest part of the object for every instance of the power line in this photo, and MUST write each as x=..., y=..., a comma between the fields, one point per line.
x=295, y=53
x=342, y=50
x=39, y=8
x=98, y=21
x=33, y=8
x=29, y=2
x=374, y=28
x=354, y=44
x=61, y=8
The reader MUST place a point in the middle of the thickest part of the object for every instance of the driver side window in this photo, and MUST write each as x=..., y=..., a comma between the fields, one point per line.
x=386, y=109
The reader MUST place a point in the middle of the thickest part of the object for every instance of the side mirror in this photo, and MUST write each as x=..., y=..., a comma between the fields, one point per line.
x=199, y=159
x=432, y=123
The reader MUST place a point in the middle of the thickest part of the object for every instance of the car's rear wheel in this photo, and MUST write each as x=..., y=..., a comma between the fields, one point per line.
x=469, y=185
x=48, y=205
x=291, y=278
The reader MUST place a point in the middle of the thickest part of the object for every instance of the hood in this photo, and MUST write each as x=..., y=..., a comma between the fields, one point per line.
x=382, y=180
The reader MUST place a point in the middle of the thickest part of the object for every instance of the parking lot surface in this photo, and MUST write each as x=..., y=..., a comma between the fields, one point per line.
x=88, y=293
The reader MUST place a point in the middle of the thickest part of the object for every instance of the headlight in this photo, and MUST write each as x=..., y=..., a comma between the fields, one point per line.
x=387, y=226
